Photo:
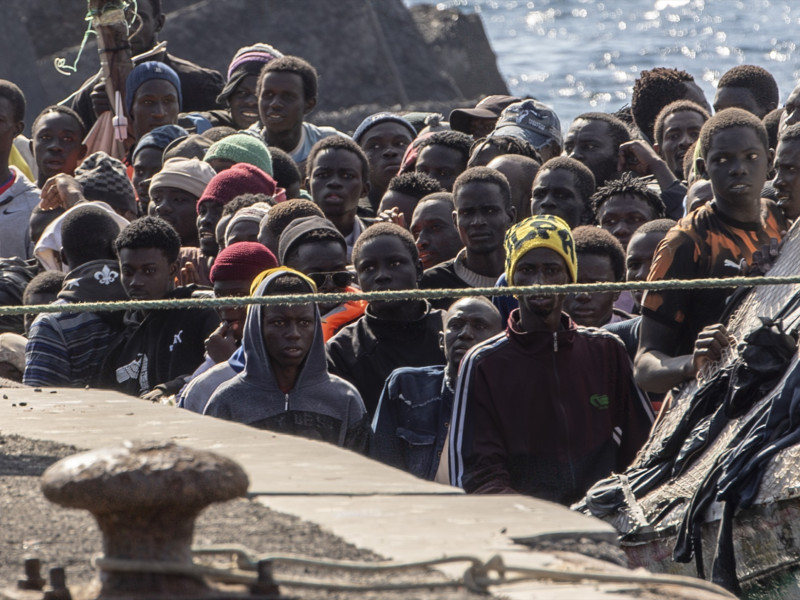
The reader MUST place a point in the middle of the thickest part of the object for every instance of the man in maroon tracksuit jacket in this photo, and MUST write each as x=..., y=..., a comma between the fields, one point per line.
x=545, y=408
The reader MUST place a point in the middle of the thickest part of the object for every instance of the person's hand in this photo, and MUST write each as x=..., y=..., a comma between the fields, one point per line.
x=710, y=345
x=763, y=259
x=637, y=156
x=60, y=191
x=155, y=395
x=99, y=97
x=221, y=344
x=392, y=215
x=188, y=274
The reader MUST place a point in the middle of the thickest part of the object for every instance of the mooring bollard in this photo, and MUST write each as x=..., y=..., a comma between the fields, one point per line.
x=145, y=498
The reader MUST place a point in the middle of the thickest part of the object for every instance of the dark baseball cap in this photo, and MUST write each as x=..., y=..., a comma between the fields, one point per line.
x=530, y=120
x=488, y=108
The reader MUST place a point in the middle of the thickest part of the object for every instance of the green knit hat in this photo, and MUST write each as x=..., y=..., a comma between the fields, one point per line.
x=242, y=148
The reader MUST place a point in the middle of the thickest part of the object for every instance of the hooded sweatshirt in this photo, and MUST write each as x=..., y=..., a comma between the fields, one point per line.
x=320, y=406
x=67, y=348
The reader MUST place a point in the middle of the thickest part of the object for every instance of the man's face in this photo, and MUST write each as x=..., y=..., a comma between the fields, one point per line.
x=434, y=232
x=468, y=322
x=787, y=177
x=9, y=128
x=207, y=219
x=681, y=130
x=177, y=207
x=57, y=145
x=326, y=263
x=738, y=97
x=541, y=266
x=146, y=164
x=288, y=332
x=235, y=314
x=482, y=217
x=336, y=182
x=592, y=310
x=385, y=263
x=146, y=273
x=791, y=110
x=244, y=103
x=155, y=103
x=281, y=103
x=556, y=192
x=639, y=257
x=442, y=163
x=623, y=214
x=590, y=142
x=384, y=145
x=144, y=27
x=737, y=164
x=242, y=231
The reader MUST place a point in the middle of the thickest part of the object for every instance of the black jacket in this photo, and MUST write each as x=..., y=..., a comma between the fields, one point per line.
x=368, y=350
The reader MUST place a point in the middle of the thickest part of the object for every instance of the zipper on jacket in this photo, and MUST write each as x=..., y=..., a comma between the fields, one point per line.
x=286, y=405
x=555, y=341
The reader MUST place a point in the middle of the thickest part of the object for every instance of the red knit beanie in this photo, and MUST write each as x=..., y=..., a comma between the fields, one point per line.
x=242, y=261
x=241, y=178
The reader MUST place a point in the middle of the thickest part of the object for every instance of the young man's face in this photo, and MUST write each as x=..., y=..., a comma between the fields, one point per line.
x=144, y=28
x=243, y=103
x=384, y=145
x=738, y=97
x=336, y=182
x=556, y=192
x=787, y=177
x=146, y=273
x=9, y=128
x=737, y=163
x=639, y=257
x=177, y=207
x=592, y=310
x=623, y=214
x=326, y=263
x=541, y=266
x=434, y=232
x=155, y=103
x=681, y=130
x=288, y=332
x=233, y=315
x=482, y=217
x=57, y=145
x=208, y=216
x=442, y=163
x=468, y=322
x=146, y=163
x=590, y=142
x=281, y=103
x=385, y=263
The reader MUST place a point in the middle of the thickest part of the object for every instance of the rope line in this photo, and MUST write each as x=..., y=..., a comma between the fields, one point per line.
x=290, y=299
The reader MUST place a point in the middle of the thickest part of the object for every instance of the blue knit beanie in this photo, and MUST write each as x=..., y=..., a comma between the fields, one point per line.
x=145, y=72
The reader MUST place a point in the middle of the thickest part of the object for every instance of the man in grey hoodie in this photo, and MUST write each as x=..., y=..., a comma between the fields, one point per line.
x=285, y=385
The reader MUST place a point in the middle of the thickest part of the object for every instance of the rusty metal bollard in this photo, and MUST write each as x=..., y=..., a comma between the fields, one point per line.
x=145, y=498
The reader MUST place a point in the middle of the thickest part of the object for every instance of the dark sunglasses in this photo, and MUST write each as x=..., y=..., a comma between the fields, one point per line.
x=339, y=279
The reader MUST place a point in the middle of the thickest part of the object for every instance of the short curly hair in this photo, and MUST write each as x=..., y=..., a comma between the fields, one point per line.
x=725, y=119
x=149, y=232
x=338, y=142
x=484, y=175
x=757, y=80
x=280, y=215
x=379, y=229
x=61, y=110
x=671, y=109
x=653, y=90
x=296, y=65
x=456, y=140
x=628, y=183
x=507, y=144
x=657, y=226
x=616, y=127
x=593, y=240
x=414, y=184
x=583, y=176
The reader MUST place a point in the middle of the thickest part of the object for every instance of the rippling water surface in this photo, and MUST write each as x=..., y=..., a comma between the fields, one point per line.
x=580, y=55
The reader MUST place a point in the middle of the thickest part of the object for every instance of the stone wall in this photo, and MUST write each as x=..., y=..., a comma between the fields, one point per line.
x=368, y=52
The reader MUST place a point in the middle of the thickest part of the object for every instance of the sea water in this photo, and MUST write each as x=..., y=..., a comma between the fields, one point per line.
x=584, y=55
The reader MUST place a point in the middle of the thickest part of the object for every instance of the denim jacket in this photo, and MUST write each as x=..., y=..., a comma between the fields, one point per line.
x=410, y=427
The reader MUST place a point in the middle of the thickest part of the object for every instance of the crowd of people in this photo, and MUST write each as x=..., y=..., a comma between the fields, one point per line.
x=227, y=190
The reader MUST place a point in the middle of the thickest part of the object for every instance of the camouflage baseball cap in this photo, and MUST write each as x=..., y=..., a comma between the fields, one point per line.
x=530, y=120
